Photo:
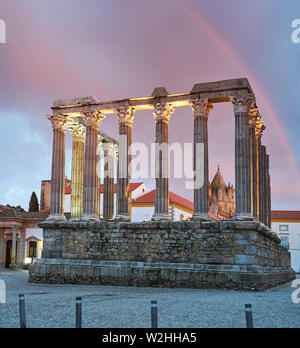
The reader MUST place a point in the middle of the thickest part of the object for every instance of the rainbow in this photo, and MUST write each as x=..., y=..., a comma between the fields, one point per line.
x=196, y=17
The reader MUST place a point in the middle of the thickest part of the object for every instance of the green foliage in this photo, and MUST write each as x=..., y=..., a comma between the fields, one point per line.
x=18, y=207
x=34, y=203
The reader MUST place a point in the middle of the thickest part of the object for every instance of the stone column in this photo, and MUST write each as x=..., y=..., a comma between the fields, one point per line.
x=266, y=189
x=59, y=124
x=117, y=198
x=253, y=117
x=78, y=132
x=269, y=211
x=269, y=193
x=14, y=249
x=100, y=139
x=109, y=182
x=125, y=116
x=201, y=109
x=162, y=115
x=90, y=186
x=242, y=158
x=263, y=184
x=259, y=132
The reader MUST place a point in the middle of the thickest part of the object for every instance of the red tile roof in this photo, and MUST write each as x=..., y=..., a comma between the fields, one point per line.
x=45, y=210
x=286, y=214
x=149, y=197
x=3, y=207
x=12, y=213
x=133, y=187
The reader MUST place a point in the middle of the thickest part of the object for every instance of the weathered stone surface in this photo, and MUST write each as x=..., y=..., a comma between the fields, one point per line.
x=137, y=254
x=180, y=275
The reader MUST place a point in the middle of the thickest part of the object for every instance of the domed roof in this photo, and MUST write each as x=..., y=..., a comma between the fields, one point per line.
x=218, y=180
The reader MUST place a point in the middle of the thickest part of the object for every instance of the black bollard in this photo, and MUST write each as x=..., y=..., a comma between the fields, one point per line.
x=22, y=311
x=249, y=316
x=78, y=312
x=154, y=320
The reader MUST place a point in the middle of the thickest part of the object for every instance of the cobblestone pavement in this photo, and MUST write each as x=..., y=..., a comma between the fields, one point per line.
x=128, y=307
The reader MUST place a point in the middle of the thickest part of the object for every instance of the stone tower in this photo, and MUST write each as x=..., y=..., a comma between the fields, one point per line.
x=221, y=198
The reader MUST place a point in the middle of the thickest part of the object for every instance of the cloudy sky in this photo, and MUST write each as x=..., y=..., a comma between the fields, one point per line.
x=113, y=49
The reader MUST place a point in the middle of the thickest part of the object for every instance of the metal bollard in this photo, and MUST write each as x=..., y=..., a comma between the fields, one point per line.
x=154, y=320
x=249, y=316
x=22, y=311
x=78, y=312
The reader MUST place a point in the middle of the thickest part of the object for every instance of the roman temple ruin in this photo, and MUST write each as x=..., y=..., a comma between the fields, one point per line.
x=242, y=253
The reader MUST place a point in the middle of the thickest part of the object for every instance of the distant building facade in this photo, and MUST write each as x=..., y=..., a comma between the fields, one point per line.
x=287, y=226
x=21, y=240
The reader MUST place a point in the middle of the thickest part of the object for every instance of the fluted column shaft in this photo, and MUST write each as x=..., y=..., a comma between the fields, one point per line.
x=125, y=116
x=253, y=163
x=259, y=129
x=263, y=185
x=269, y=217
x=259, y=177
x=242, y=158
x=201, y=109
x=162, y=116
x=77, y=173
x=59, y=124
x=109, y=182
x=90, y=186
x=98, y=171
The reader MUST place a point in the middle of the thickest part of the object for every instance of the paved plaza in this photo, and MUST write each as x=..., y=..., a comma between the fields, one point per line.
x=126, y=307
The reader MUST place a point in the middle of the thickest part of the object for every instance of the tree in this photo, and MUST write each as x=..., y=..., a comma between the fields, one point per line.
x=18, y=207
x=34, y=203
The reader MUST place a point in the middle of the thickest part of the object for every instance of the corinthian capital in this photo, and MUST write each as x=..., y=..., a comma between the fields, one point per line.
x=201, y=107
x=259, y=129
x=92, y=119
x=78, y=131
x=59, y=122
x=163, y=112
x=241, y=104
x=125, y=114
x=254, y=116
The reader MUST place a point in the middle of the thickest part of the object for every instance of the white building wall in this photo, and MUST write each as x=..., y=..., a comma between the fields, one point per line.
x=140, y=191
x=38, y=234
x=178, y=213
x=67, y=203
x=293, y=235
x=140, y=214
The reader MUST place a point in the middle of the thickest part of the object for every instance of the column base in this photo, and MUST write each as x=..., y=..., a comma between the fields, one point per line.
x=122, y=218
x=90, y=217
x=56, y=217
x=161, y=217
x=243, y=217
x=201, y=217
x=75, y=219
x=13, y=266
